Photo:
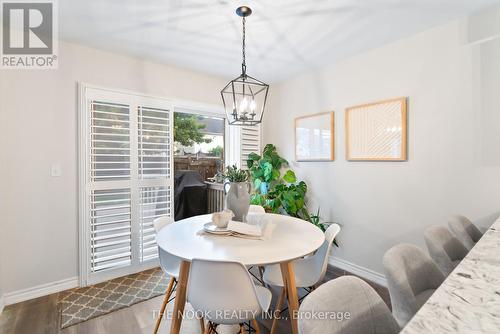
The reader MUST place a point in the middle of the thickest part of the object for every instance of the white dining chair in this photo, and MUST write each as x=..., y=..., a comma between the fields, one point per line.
x=309, y=271
x=161, y=222
x=225, y=294
x=169, y=264
x=256, y=209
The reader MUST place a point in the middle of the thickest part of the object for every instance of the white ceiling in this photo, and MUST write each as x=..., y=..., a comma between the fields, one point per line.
x=284, y=37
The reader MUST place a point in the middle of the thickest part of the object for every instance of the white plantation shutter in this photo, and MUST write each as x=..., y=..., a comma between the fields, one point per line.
x=110, y=209
x=250, y=143
x=126, y=179
x=154, y=142
x=154, y=155
x=110, y=141
x=111, y=229
x=155, y=202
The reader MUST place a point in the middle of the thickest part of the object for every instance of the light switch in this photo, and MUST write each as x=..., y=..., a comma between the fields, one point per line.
x=55, y=170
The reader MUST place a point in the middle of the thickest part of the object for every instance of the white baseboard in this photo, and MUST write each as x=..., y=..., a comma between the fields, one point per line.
x=40, y=290
x=358, y=270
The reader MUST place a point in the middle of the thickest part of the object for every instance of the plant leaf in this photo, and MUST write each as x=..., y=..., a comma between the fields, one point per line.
x=254, y=156
x=290, y=176
x=300, y=202
x=257, y=183
x=268, y=171
x=275, y=174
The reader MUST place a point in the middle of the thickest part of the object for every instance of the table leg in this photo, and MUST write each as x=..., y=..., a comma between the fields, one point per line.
x=293, y=300
x=180, y=298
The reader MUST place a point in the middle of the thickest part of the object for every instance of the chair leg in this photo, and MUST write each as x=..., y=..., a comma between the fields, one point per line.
x=256, y=326
x=202, y=325
x=165, y=302
x=261, y=273
x=277, y=312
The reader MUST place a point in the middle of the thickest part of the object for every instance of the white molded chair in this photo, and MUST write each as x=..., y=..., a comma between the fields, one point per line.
x=309, y=270
x=161, y=222
x=225, y=293
x=256, y=209
x=169, y=264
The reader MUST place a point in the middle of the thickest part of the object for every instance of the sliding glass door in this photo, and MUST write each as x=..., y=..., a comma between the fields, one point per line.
x=126, y=180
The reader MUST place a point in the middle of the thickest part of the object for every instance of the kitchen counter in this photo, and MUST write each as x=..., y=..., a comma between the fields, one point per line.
x=468, y=301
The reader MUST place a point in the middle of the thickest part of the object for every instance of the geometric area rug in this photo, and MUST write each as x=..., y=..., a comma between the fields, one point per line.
x=81, y=304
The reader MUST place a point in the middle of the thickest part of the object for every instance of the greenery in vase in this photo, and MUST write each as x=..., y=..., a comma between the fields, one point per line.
x=233, y=174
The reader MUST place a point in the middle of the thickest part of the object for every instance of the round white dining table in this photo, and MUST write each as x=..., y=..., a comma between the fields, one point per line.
x=290, y=238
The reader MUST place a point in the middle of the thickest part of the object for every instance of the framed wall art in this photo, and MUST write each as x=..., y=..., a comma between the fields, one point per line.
x=377, y=131
x=314, y=137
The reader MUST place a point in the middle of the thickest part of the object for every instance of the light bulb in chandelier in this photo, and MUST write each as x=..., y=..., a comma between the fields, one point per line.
x=243, y=105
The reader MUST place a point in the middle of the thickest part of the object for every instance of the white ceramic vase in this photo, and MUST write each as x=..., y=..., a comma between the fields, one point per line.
x=238, y=198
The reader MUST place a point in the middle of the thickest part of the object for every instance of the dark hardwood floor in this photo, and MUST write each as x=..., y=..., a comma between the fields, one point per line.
x=41, y=316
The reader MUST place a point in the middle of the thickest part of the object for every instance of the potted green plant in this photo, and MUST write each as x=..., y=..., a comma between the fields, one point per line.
x=265, y=170
x=289, y=197
x=237, y=191
x=277, y=192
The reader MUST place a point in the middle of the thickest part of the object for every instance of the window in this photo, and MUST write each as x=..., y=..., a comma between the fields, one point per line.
x=199, y=142
x=125, y=179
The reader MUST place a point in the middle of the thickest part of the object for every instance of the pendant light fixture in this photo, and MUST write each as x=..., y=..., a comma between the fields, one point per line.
x=245, y=97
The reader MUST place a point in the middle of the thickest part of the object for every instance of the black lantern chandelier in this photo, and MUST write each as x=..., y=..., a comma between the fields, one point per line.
x=245, y=97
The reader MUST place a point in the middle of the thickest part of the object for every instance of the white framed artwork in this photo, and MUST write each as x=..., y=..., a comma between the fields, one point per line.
x=314, y=137
x=377, y=131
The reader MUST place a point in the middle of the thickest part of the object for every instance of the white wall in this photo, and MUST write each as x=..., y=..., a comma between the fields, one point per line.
x=453, y=164
x=1, y=283
x=38, y=126
x=490, y=103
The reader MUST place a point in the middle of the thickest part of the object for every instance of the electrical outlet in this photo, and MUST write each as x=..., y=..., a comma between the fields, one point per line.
x=55, y=170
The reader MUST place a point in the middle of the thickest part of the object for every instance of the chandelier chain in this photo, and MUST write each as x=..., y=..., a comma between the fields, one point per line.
x=244, y=65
